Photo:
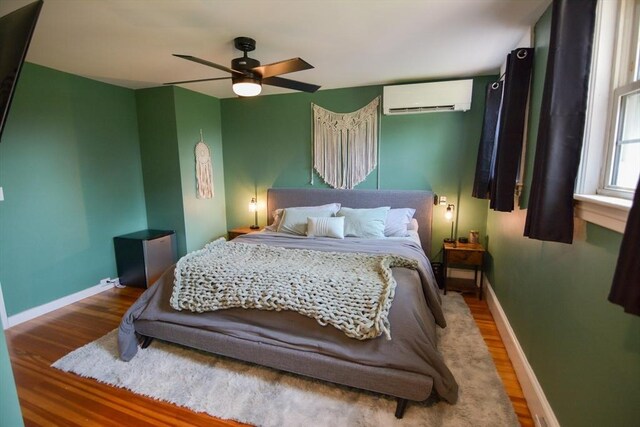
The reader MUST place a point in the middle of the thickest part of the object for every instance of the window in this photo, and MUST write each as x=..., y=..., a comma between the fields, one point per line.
x=623, y=151
x=610, y=162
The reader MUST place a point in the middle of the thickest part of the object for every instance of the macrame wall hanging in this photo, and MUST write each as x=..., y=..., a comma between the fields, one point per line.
x=204, y=172
x=345, y=145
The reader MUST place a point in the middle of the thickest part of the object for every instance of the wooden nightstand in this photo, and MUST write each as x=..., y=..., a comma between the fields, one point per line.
x=464, y=255
x=233, y=233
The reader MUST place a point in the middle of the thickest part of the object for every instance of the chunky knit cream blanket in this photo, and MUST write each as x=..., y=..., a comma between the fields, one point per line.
x=350, y=291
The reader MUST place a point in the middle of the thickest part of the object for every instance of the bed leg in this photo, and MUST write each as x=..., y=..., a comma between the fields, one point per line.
x=146, y=342
x=402, y=405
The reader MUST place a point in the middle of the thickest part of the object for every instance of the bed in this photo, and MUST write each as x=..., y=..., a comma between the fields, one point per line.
x=408, y=367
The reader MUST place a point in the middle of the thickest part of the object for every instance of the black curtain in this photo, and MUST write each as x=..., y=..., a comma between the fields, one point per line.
x=625, y=290
x=511, y=129
x=562, y=118
x=486, y=150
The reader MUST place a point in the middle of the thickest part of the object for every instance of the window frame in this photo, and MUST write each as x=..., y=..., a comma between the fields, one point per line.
x=624, y=82
x=613, y=41
x=607, y=188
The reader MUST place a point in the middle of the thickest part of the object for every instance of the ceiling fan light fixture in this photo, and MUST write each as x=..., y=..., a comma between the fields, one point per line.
x=246, y=86
x=247, y=75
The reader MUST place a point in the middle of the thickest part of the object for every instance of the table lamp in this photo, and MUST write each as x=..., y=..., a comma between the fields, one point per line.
x=448, y=215
x=253, y=207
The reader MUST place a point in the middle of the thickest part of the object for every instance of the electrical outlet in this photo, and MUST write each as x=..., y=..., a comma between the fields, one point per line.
x=443, y=200
x=105, y=281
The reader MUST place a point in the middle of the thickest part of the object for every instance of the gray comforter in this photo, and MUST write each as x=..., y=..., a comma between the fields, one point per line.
x=414, y=314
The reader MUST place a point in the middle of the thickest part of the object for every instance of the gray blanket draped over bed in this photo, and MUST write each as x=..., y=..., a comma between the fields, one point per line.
x=413, y=317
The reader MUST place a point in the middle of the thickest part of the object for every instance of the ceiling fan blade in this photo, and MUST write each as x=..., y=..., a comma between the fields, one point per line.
x=194, y=81
x=283, y=67
x=290, y=84
x=208, y=63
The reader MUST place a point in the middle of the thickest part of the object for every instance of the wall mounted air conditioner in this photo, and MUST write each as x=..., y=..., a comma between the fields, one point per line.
x=452, y=95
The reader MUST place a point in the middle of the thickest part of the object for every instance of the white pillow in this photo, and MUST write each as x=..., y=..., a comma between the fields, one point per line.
x=326, y=227
x=398, y=221
x=367, y=223
x=413, y=225
x=277, y=214
x=294, y=220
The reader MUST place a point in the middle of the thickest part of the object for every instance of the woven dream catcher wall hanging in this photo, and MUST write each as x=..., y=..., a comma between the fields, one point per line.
x=204, y=170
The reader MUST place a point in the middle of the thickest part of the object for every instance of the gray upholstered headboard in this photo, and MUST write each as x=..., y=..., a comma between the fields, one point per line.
x=421, y=201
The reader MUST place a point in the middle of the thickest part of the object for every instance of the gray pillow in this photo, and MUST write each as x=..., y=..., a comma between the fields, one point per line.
x=294, y=220
x=277, y=214
x=398, y=222
x=366, y=223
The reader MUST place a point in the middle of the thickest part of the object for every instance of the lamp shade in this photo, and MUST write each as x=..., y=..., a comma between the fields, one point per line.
x=448, y=214
x=246, y=86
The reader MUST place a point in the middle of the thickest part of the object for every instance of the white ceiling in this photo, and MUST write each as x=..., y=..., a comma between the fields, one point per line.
x=350, y=42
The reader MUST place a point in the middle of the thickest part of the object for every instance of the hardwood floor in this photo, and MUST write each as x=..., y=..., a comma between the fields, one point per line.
x=489, y=331
x=51, y=397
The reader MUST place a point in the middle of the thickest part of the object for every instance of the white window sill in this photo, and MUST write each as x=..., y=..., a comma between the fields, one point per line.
x=605, y=211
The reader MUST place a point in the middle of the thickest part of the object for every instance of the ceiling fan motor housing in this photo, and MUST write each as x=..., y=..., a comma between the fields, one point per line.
x=245, y=65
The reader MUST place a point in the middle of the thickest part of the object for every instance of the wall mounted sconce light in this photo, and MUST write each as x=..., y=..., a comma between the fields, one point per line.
x=253, y=207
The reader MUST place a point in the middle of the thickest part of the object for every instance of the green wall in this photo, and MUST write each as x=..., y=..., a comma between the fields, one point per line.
x=584, y=350
x=205, y=219
x=72, y=164
x=267, y=144
x=160, y=162
x=170, y=119
x=70, y=169
x=10, y=414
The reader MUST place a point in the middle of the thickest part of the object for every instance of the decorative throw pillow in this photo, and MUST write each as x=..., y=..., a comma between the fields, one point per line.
x=326, y=227
x=398, y=221
x=294, y=220
x=366, y=223
x=277, y=214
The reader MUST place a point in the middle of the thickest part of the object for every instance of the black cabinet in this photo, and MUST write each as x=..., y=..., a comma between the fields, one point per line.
x=143, y=256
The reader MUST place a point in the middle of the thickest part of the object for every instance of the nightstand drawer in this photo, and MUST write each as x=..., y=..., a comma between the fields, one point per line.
x=464, y=257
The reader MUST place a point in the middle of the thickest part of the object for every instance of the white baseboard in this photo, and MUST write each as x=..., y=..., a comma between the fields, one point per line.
x=3, y=312
x=539, y=406
x=32, y=313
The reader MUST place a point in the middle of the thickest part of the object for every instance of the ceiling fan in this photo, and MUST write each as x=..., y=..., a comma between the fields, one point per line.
x=248, y=75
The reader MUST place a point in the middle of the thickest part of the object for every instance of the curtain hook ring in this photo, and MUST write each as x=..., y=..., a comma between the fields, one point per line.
x=495, y=85
x=522, y=53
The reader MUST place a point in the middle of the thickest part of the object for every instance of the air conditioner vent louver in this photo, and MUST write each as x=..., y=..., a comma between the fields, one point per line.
x=411, y=110
x=428, y=97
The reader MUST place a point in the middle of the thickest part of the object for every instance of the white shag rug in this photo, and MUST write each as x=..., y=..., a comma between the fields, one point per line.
x=248, y=393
